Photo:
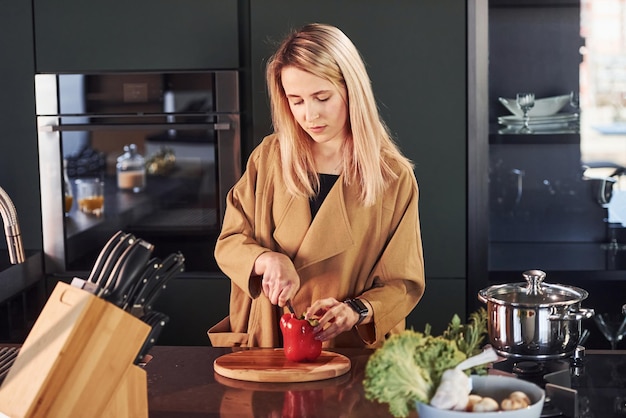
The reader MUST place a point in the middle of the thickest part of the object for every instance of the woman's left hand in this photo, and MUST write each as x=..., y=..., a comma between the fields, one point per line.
x=339, y=316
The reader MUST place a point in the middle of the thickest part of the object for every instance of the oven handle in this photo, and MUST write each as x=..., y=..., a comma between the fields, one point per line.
x=221, y=126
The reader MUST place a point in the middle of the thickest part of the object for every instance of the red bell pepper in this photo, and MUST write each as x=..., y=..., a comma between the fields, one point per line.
x=302, y=404
x=298, y=339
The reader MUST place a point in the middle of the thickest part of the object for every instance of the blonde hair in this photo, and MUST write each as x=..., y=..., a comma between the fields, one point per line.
x=326, y=52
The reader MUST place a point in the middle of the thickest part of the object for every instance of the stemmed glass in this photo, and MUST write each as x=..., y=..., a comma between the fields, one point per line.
x=612, y=326
x=525, y=101
x=574, y=102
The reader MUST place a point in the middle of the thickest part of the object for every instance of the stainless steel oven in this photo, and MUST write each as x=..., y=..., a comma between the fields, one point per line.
x=186, y=125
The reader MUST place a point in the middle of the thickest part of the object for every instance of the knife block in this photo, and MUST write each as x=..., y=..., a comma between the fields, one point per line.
x=78, y=360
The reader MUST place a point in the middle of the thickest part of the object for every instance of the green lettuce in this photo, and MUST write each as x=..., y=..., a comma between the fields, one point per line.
x=407, y=368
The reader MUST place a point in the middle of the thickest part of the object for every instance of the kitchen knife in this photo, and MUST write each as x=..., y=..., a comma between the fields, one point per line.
x=7, y=358
x=125, y=241
x=172, y=265
x=89, y=284
x=290, y=307
x=151, y=281
x=172, y=270
x=150, y=269
x=107, y=283
x=126, y=272
x=104, y=253
x=157, y=321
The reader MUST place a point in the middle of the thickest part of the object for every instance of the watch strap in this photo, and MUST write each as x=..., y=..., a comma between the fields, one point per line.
x=359, y=307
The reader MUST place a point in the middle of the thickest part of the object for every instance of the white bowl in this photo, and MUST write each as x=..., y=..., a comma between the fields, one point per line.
x=546, y=106
x=498, y=388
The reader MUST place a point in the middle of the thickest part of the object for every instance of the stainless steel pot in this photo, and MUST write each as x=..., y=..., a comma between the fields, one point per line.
x=534, y=320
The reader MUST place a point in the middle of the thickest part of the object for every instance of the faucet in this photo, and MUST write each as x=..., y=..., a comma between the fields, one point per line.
x=11, y=228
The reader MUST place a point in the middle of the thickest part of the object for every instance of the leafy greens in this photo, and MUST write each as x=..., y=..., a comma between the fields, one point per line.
x=407, y=368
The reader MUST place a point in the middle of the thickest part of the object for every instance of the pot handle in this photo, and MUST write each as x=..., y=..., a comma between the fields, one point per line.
x=483, y=298
x=573, y=316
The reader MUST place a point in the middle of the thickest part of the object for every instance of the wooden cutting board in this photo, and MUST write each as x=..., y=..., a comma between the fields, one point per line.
x=270, y=365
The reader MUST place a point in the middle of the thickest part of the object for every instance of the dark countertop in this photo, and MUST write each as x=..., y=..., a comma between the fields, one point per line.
x=182, y=383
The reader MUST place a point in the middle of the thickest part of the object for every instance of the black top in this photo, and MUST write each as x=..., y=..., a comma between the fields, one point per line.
x=327, y=181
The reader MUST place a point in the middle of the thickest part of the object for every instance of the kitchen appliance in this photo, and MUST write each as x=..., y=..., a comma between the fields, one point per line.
x=588, y=383
x=534, y=320
x=187, y=126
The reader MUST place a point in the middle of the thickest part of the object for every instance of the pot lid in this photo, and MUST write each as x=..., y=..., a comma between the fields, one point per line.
x=533, y=292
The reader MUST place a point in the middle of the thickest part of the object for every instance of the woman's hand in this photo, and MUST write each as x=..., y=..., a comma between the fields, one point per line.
x=338, y=315
x=280, y=280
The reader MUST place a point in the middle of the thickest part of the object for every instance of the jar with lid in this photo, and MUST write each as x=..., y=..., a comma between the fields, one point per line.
x=131, y=170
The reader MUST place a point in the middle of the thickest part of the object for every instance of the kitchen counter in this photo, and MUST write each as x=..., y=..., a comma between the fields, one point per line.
x=182, y=383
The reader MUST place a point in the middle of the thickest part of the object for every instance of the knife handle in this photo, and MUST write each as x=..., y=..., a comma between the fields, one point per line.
x=148, y=271
x=125, y=241
x=174, y=270
x=128, y=271
x=157, y=321
x=154, y=280
x=104, y=253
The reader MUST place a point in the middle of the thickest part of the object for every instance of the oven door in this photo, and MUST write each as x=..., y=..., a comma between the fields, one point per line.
x=185, y=125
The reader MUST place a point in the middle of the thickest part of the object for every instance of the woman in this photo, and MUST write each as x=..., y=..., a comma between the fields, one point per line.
x=326, y=213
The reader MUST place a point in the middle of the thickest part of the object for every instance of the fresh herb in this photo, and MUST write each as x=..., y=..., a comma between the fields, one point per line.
x=408, y=366
x=469, y=337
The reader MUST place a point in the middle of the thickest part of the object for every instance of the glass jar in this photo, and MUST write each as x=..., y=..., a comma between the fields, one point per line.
x=68, y=195
x=131, y=170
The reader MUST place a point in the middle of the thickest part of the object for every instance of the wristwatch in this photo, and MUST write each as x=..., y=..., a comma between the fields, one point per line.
x=359, y=307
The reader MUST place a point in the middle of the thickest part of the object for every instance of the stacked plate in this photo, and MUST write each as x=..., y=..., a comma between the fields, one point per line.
x=541, y=124
x=546, y=118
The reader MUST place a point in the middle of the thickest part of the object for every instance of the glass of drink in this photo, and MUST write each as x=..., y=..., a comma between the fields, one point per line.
x=90, y=195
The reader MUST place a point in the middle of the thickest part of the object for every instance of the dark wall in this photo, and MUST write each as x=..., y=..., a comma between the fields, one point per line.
x=19, y=172
x=415, y=53
x=417, y=66
x=135, y=35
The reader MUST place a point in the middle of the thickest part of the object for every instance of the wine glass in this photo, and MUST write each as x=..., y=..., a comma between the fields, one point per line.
x=525, y=101
x=574, y=100
x=612, y=326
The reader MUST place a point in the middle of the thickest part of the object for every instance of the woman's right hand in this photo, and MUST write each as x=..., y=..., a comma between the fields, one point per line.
x=280, y=279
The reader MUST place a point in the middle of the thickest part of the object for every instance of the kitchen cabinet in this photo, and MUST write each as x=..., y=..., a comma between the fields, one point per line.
x=415, y=53
x=542, y=212
x=136, y=35
x=18, y=156
x=21, y=290
x=418, y=69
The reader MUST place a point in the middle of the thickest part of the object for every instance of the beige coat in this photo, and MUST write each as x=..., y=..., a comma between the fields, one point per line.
x=347, y=251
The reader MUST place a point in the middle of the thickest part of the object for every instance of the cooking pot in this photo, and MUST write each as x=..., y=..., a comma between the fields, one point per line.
x=534, y=320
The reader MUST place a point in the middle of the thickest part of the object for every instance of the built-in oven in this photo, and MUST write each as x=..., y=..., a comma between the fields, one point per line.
x=185, y=125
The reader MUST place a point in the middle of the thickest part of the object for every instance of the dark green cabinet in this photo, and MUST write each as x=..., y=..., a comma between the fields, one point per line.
x=19, y=172
x=415, y=52
x=136, y=35
x=418, y=71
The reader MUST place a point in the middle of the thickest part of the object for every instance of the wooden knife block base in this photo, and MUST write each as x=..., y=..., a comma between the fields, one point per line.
x=78, y=360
